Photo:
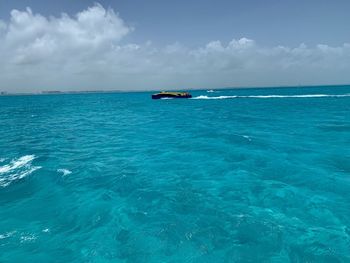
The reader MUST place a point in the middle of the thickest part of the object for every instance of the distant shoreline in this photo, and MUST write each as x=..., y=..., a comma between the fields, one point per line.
x=58, y=92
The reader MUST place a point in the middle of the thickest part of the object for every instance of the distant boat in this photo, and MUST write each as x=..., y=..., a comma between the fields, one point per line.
x=171, y=95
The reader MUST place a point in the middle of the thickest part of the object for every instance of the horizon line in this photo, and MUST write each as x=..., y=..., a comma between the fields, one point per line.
x=60, y=92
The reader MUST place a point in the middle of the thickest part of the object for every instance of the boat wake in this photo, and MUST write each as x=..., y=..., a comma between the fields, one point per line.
x=17, y=169
x=204, y=97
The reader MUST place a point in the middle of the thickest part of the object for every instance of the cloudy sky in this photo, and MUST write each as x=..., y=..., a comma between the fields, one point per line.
x=161, y=44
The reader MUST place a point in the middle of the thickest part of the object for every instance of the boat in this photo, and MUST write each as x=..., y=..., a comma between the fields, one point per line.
x=171, y=95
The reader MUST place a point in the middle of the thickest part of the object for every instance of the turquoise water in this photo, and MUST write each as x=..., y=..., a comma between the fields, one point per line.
x=229, y=176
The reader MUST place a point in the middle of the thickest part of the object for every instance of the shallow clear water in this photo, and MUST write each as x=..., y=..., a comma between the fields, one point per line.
x=241, y=177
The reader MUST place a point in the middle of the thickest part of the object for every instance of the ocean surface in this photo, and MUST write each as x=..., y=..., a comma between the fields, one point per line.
x=249, y=175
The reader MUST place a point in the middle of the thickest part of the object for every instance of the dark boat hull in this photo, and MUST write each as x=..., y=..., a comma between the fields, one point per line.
x=170, y=96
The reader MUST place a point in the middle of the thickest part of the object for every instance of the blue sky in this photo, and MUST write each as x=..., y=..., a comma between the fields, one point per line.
x=298, y=40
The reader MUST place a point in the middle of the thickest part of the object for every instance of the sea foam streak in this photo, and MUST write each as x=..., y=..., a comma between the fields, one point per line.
x=17, y=163
x=204, y=97
x=17, y=169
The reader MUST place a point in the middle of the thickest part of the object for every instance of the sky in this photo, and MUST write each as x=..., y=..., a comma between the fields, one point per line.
x=153, y=45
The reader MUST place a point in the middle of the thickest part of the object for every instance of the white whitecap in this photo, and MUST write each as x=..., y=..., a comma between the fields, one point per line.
x=64, y=171
x=7, y=235
x=17, y=163
x=213, y=91
x=3, y=236
x=8, y=179
x=17, y=169
x=28, y=238
x=247, y=137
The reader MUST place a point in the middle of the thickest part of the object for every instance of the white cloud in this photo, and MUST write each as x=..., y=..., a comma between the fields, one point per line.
x=2, y=27
x=88, y=51
x=32, y=38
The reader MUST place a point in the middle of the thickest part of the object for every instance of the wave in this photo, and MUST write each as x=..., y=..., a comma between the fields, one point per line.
x=17, y=169
x=28, y=238
x=7, y=235
x=204, y=97
x=64, y=171
x=17, y=163
x=247, y=137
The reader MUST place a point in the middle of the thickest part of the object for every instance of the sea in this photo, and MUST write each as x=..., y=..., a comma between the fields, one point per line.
x=239, y=175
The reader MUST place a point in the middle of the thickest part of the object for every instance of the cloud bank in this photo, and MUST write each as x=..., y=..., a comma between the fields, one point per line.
x=89, y=51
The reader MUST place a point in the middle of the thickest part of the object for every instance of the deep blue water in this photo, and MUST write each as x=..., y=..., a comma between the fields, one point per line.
x=123, y=178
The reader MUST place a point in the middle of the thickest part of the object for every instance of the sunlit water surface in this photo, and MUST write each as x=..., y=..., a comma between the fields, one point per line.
x=257, y=175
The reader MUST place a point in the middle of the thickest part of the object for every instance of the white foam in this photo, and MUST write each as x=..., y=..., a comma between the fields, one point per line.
x=5, y=181
x=166, y=98
x=17, y=169
x=213, y=91
x=64, y=171
x=4, y=236
x=296, y=96
x=17, y=163
x=7, y=235
x=28, y=238
x=204, y=97
x=247, y=137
